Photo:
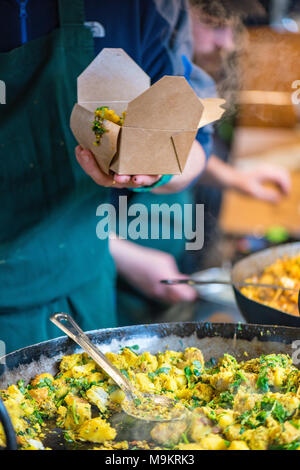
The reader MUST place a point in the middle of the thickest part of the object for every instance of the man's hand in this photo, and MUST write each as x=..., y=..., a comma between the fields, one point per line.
x=193, y=168
x=89, y=164
x=253, y=183
x=145, y=267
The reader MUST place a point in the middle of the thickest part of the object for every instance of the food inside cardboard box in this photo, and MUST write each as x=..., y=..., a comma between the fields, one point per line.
x=140, y=129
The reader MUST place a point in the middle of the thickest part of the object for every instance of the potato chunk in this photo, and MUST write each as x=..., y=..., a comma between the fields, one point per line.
x=41, y=378
x=96, y=430
x=79, y=411
x=238, y=445
x=213, y=442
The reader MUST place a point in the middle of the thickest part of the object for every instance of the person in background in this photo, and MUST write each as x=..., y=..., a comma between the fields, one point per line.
x=218, y=31
x=141, y=264
x=215, y=26
x=50, y=257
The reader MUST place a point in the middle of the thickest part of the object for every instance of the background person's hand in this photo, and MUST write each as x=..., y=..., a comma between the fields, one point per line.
x=144, y=267
x=265, y=182
x=89, y=164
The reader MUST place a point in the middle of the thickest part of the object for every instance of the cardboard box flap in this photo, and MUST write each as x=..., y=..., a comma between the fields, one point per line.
x=212, y=111
x=81, y=125
x=112, y=77
x=145, y=151
x=182, y=145
x=170, y=104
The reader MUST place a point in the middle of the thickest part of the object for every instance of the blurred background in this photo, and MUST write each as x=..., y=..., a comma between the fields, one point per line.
x=253, y=54
x=251, y=186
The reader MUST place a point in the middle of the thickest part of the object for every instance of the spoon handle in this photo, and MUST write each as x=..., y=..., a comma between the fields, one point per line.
x=66, y=323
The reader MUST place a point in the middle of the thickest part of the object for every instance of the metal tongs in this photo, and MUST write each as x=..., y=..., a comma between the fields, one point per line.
x=195, y=282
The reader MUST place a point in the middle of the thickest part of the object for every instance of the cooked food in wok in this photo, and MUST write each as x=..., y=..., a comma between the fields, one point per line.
x=252, y=404
x=284, y=272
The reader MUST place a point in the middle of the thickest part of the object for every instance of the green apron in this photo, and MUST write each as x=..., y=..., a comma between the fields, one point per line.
x=133, y=307
x=50, y=257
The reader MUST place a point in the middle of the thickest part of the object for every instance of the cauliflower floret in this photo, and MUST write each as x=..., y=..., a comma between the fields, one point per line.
x=98, y=396
x=35, y=444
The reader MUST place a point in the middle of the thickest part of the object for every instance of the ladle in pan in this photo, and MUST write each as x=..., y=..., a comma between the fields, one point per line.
x=145, y=406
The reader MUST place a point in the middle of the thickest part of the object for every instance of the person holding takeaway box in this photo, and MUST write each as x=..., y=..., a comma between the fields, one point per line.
x=51, y=259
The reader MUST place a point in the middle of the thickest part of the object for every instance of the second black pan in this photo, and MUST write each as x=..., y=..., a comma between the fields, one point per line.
x=255, y=312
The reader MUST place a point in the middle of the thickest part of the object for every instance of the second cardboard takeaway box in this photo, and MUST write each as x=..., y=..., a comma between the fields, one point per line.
x=161, y=120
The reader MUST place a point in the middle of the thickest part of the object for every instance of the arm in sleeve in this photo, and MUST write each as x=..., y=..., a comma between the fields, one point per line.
x=168, y=50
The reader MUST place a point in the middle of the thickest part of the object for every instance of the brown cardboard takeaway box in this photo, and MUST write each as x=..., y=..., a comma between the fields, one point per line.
x=161, y=120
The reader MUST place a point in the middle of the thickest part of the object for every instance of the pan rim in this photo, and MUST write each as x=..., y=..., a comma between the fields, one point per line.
x=153, y=325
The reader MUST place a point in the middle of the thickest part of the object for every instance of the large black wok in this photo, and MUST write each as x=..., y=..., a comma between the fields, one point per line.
x=213, y=339
x=255, y=312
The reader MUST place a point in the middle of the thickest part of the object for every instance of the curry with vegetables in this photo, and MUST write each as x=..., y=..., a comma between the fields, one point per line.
x=284, y=272
x=253, y=404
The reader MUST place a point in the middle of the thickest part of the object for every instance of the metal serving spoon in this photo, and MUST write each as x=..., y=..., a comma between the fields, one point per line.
x=145, y=406
x=194, y=282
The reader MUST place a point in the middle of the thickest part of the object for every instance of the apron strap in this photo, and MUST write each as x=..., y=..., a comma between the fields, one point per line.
x=71, y=12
